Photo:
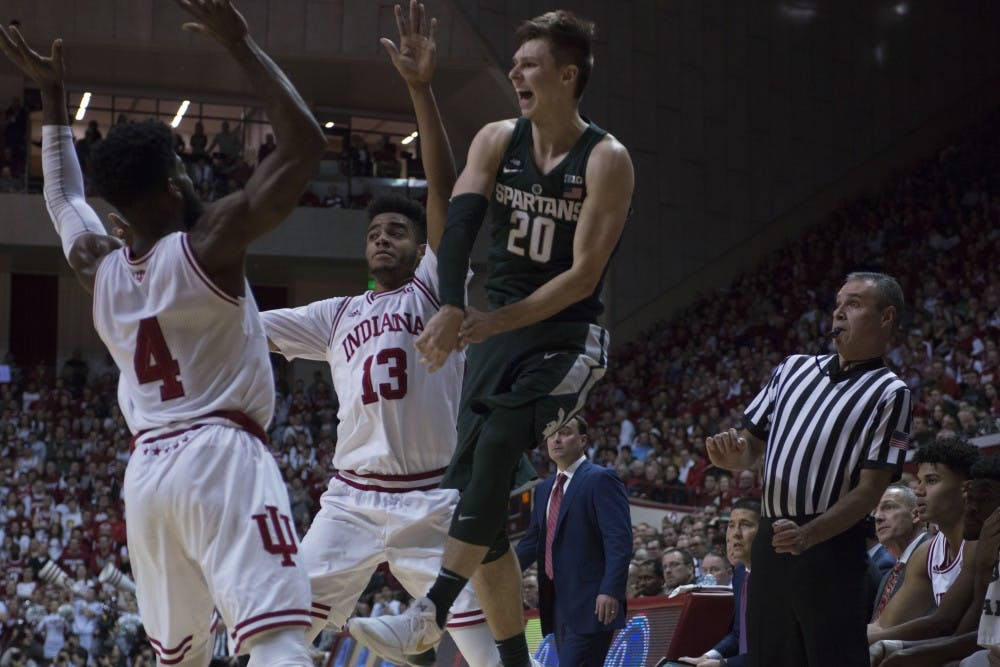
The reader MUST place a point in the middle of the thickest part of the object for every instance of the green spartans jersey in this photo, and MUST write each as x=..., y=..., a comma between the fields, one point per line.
x=532, y=219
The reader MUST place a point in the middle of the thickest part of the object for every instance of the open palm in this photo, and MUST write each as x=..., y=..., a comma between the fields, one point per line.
x=45, y=71
x=217, y=19
x=416, y=56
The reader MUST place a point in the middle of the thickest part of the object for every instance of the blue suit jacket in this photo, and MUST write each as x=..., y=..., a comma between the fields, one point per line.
x=883, y=560
x=902, y=576
x=729, y=647
x=591, y=549
x=879, y=567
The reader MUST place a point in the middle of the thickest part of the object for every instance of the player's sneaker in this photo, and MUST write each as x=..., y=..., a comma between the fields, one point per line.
x=412, y=635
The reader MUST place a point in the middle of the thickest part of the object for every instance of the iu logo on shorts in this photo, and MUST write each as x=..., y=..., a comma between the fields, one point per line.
x=282, y=541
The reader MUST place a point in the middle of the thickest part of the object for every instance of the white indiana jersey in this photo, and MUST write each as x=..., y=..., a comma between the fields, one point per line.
x=989, y=621
x=941, y=572
x=395, y=417
x=186, y=349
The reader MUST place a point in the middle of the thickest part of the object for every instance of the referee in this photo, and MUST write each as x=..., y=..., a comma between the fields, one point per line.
x=833, y=432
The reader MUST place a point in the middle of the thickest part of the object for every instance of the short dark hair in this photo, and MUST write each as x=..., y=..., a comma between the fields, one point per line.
x=132, y=160
x=957, y=454
x=889, y=291
x=570, y=37
x=686, y=556
x=655, y=564
x=748, y=504
x=725, y=561
x=581, y=424
x=411, y=209
x=987, y=467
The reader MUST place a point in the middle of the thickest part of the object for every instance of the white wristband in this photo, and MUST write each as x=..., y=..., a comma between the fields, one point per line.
x=64, y=192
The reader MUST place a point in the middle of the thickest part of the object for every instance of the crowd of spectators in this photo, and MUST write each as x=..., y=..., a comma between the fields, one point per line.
x=63, y=449
x=64, y=443
x=221, y=165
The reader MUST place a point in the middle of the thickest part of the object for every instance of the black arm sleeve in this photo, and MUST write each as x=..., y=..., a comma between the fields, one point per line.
x=465, y=217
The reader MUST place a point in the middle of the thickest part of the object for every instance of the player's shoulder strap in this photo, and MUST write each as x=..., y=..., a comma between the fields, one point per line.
x=592, y=136
x=518, y=151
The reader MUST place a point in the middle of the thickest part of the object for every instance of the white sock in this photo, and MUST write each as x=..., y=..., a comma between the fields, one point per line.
x=476, y=645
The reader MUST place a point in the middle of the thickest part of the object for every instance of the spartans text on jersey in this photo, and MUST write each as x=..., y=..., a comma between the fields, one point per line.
x=553, y=207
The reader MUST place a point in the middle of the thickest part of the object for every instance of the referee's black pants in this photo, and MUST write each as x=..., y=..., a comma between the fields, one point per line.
x=808, y=610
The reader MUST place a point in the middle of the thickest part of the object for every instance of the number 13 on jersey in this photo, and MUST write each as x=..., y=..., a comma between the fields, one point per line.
x=394, y=361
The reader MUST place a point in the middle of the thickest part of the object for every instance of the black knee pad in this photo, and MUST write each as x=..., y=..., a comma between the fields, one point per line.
x=482, y=509
x=500, y=546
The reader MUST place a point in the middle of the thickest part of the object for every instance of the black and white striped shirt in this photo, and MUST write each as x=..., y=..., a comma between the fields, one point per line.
x=822, y=426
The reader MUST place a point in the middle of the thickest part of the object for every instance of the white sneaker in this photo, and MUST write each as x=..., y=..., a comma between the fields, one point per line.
x=407, y=638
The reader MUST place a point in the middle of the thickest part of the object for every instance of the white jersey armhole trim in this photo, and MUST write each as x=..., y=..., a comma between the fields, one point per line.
x=97, y=278
x=427, y=292
x=193, y=261
x=336, y=319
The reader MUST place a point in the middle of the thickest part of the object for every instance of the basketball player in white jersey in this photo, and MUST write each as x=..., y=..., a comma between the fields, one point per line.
x=943, y=466
x=971, y=604
x=208, y=515
x=396, y=433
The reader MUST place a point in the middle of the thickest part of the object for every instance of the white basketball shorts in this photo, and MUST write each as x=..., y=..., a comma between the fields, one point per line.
x=209, y=526
x=365, y=520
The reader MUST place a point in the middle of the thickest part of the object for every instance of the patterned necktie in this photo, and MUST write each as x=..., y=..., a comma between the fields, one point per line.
x=550, y=522
x=890, y=588
x=743, y=613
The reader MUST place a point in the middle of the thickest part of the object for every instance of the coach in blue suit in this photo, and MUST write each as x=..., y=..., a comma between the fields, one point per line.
x=731, y=651
x=582, y=585
x=730, y=644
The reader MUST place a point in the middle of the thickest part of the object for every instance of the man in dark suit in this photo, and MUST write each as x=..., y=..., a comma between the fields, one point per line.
x=744, y=520
x=899, y=528
x=581, y=537
x=880, y=564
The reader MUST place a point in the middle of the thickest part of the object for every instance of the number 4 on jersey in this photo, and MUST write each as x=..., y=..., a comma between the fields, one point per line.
x=153, y=362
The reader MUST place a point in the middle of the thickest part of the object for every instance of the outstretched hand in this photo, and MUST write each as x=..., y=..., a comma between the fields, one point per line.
x=217, y=19
x=416, y=56
x=477, y=326
x=45, y=71
x=439, y=337
x=727, y=449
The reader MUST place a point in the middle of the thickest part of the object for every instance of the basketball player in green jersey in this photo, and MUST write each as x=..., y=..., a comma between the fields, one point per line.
x=556, y=190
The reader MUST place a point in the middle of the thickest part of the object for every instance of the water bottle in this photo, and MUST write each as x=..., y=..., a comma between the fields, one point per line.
x=706, y=580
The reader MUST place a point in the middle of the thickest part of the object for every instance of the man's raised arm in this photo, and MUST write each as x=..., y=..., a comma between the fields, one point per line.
x=84, y=239
x=416, y=59
x=465, y=216
x=222, y=235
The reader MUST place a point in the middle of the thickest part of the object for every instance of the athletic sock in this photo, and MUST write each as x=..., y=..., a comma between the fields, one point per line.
x=443, y=593
x=514, y=651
